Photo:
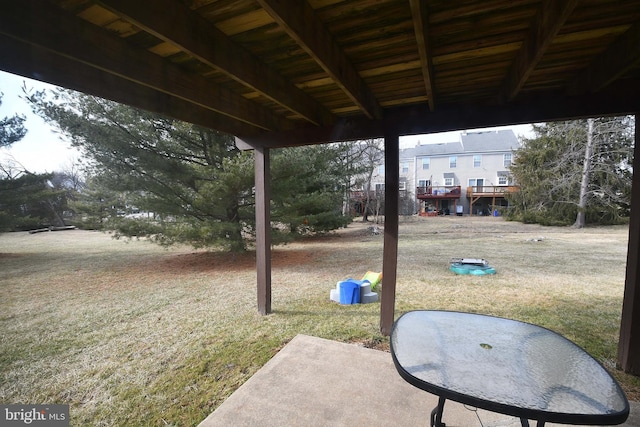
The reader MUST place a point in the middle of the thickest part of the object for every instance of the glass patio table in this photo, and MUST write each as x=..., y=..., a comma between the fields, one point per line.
x=504, y=366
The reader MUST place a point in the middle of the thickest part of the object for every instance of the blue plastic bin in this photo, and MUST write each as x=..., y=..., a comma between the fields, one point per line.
x=350, y=292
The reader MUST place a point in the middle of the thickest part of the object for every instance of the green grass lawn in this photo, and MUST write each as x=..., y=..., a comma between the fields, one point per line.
x=130, y=333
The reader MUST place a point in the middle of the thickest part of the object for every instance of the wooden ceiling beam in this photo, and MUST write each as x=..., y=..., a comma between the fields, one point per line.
x=173, y=22
x=420, y=25
x=302, y=24
x=32, y=62
x=550, y=18
x=44, y=25
x=622, y=55
x=618, y=99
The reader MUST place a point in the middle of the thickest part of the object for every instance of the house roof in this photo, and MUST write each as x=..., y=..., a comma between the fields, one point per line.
x=432, y=150
x=291, y=72
x=478, y=142
x=472, y=142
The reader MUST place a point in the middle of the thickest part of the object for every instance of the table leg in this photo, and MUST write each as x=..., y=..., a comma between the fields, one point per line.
x=436, y=414
x=525, y=423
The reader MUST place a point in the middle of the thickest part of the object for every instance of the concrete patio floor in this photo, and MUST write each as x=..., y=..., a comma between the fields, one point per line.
x=318, y=382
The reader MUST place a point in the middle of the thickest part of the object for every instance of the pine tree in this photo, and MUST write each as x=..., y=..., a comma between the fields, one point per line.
x=11, y=129
x=307, y=191
x=29, y=201
x=195, y=182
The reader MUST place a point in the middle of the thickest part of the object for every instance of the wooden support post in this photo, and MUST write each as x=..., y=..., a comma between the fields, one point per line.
x=390, y=251
x=629, y=342
x=263, y=228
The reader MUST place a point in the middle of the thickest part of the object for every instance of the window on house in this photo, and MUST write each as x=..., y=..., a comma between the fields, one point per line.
x=402, y=185
x=453, y=160
x=381, y=170
x=448, y=182
x=506, y=160
x=504, y=178
x=423, y=186
x=379, y=188
x=426, y=162
x=404, y=168
x=476, y=182
x=477, y=161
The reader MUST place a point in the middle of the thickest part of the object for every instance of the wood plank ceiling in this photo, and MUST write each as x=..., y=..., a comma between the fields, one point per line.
x=289, y=72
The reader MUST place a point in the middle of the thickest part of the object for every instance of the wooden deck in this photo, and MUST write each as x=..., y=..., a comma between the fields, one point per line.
x=446, y=192
x=490, y=191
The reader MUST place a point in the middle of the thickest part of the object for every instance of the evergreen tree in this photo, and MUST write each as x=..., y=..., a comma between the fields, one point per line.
x=306, y=193
x=194, y=180
x=563, y=179
x=196, y=183
x=95, y=204
x=29, y=201
x=11, y=129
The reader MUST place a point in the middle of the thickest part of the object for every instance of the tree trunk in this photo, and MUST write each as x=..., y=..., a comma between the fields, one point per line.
x=55, y=216
x=346, y=205
x=238, y=243
x=365, y=210
x=584, y=184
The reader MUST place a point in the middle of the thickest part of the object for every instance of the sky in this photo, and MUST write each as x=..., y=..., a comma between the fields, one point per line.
x=44, y=150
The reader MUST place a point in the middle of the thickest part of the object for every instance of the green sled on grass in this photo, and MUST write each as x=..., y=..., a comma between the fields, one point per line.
x=476, y=267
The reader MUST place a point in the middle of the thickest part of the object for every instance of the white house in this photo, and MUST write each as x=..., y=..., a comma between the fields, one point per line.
x=467, y=176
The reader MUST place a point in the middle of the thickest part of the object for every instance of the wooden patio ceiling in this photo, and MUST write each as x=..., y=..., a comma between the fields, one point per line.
x=278, y=73
x=289, y=72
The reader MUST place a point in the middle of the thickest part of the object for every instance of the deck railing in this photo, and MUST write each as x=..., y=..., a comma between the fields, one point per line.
x=490, y=190
x=442, y=191
x=361, y=194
